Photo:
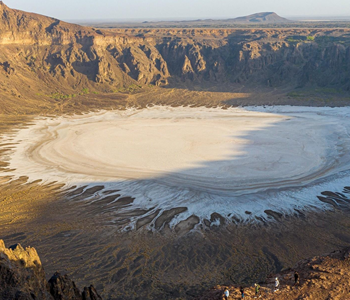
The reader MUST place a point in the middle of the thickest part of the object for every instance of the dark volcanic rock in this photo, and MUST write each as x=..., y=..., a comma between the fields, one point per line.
x=62, y=287
x=7, y=68
x=90, y=293
x=22, y=277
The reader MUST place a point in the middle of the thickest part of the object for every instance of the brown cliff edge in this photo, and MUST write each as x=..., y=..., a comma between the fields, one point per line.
x=50, y=66
x=22, y=277
x=321, y=278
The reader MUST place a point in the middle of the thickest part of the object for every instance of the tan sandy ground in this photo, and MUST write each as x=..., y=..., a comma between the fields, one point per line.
x=140, y=97
x=210, y=96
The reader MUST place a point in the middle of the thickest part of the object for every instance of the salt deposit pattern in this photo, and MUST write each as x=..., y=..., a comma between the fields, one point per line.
x=208, y=160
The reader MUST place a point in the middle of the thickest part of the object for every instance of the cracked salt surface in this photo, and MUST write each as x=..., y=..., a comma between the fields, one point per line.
x=209, y=160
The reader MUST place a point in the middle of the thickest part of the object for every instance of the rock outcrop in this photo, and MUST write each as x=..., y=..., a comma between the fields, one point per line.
x=22, y=277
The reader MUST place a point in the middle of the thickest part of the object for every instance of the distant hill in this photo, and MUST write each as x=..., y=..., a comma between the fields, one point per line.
x=262, y=17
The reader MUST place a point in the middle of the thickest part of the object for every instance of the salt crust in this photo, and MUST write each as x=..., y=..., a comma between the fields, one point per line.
x=207, y=159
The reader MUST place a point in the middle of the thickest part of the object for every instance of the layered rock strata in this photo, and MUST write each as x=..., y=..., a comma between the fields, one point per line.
x=42, y=56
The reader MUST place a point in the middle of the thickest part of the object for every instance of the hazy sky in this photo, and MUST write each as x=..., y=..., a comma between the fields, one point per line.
x=177, y=9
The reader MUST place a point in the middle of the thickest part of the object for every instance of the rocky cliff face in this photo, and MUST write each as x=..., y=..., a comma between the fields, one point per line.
x=42, y=56
x=22, y=277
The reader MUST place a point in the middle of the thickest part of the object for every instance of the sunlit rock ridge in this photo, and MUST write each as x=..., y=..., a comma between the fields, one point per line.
x=23, y=277
x=43, y=56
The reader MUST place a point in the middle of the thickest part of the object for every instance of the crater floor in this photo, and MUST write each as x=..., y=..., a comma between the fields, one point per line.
x=205, y=160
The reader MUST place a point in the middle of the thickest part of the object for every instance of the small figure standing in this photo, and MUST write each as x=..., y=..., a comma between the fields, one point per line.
x=296, y=278
x=257, y=290
x=242, y=291
x=277, y=284
x=226, y=293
